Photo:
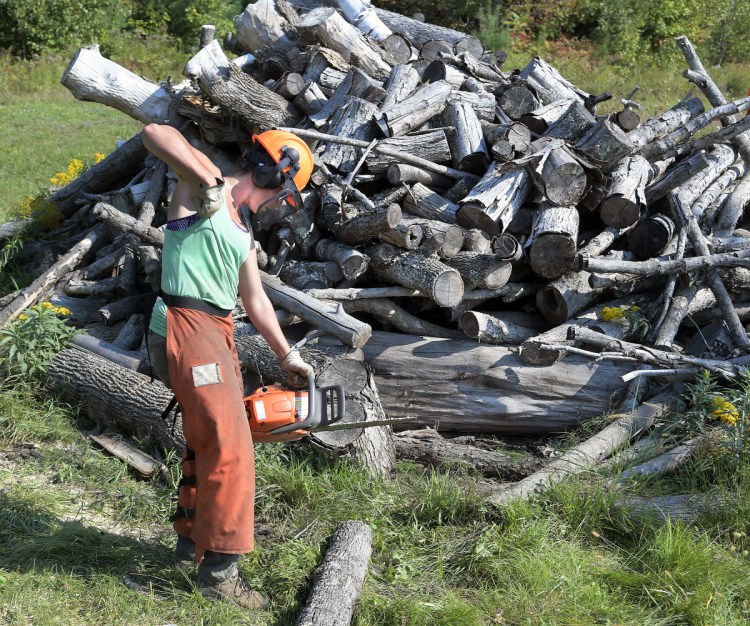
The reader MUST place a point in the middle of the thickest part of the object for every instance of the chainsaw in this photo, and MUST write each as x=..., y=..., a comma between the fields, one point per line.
x=273, y=410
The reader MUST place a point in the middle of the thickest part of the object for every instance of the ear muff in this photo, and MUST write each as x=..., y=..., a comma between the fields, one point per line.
x=272, y=176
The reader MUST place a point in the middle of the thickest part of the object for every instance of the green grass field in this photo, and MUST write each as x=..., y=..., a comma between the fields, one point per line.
x=86, y=542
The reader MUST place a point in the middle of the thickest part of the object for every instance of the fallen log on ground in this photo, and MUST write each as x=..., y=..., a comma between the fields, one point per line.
x=586, y=455
x=338, y=581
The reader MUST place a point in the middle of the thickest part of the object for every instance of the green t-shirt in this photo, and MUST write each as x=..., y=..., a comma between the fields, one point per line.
x=201, y=261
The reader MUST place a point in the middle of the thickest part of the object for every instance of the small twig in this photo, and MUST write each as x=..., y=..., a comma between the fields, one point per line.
x=359, y=164
x=666, y=373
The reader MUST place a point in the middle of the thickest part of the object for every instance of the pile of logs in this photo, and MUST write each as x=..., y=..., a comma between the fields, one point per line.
x=465, y=228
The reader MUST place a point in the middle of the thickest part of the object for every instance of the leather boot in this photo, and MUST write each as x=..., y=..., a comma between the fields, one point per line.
x=219, y=578
x=184, y=555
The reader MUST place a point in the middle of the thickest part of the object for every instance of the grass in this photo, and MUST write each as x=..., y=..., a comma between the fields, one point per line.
x=87, y=542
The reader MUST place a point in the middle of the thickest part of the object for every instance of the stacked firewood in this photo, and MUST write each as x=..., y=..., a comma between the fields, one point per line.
x=452, y=202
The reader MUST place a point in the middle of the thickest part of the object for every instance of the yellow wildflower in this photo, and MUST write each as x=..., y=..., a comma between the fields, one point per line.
x=74, y=169
x=99, y=157
x=23, y=317
x=725, y=412
x=48, y=305
x=612, y=313
x=61, y=310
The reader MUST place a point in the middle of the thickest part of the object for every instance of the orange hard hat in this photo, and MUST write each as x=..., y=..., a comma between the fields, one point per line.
x=274, y=142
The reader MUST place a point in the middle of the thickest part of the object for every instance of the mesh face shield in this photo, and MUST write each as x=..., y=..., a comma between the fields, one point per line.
x=275, y=209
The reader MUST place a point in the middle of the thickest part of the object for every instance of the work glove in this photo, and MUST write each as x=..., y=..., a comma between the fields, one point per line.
x=210, y=199
x=297, y=370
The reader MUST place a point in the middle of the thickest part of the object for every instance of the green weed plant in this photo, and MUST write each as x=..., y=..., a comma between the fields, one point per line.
x=28, y=344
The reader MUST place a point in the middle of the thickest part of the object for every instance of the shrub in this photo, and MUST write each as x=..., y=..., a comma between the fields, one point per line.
x=30, y=28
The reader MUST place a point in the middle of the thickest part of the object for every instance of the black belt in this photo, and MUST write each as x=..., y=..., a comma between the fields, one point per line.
x=185, y=302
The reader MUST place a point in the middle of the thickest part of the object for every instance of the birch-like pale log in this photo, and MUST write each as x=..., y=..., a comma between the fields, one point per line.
x=418, y=108
x=625, y=201
x=92, y=78
x=702, y=78
x=552, y=243
x=733, y=209
x=676, y=176
x=661, y=125
x=469, y=150
x=713, y=278
x=325, y=26
x=660, y=267
x=495, y=200
x=549, y=85
x=605, y=144
x=260, y=25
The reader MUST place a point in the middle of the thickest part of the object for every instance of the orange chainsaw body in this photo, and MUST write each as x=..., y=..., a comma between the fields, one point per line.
x=270, y=407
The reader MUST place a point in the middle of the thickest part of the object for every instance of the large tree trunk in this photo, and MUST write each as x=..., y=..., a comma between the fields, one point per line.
x=113, y=397
x=469, y=387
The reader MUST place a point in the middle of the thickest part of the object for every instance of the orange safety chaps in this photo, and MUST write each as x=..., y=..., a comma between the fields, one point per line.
x=217, y=490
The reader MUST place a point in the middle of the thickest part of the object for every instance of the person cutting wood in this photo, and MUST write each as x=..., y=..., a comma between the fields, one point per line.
x=208, y=256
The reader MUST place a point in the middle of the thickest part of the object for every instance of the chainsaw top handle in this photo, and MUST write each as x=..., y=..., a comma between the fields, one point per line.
x=312, y=412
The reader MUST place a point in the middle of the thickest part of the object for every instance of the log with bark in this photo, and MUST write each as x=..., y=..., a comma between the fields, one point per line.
x=338, y=581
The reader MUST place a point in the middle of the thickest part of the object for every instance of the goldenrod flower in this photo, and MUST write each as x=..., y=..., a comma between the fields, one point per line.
x=725, y=412
x=74, y=169
x=612, y=313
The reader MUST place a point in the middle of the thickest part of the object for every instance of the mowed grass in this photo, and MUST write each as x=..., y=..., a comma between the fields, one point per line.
x=42, y=132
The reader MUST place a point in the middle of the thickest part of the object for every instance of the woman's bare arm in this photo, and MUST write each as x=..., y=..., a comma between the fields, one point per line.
x=170, y=146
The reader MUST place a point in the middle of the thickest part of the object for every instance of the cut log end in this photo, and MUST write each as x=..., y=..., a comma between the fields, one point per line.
x=473, y=216
x=552, y=255
x=448, y=289
x=566, y=185
x=552, y=305
x=619, y=212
